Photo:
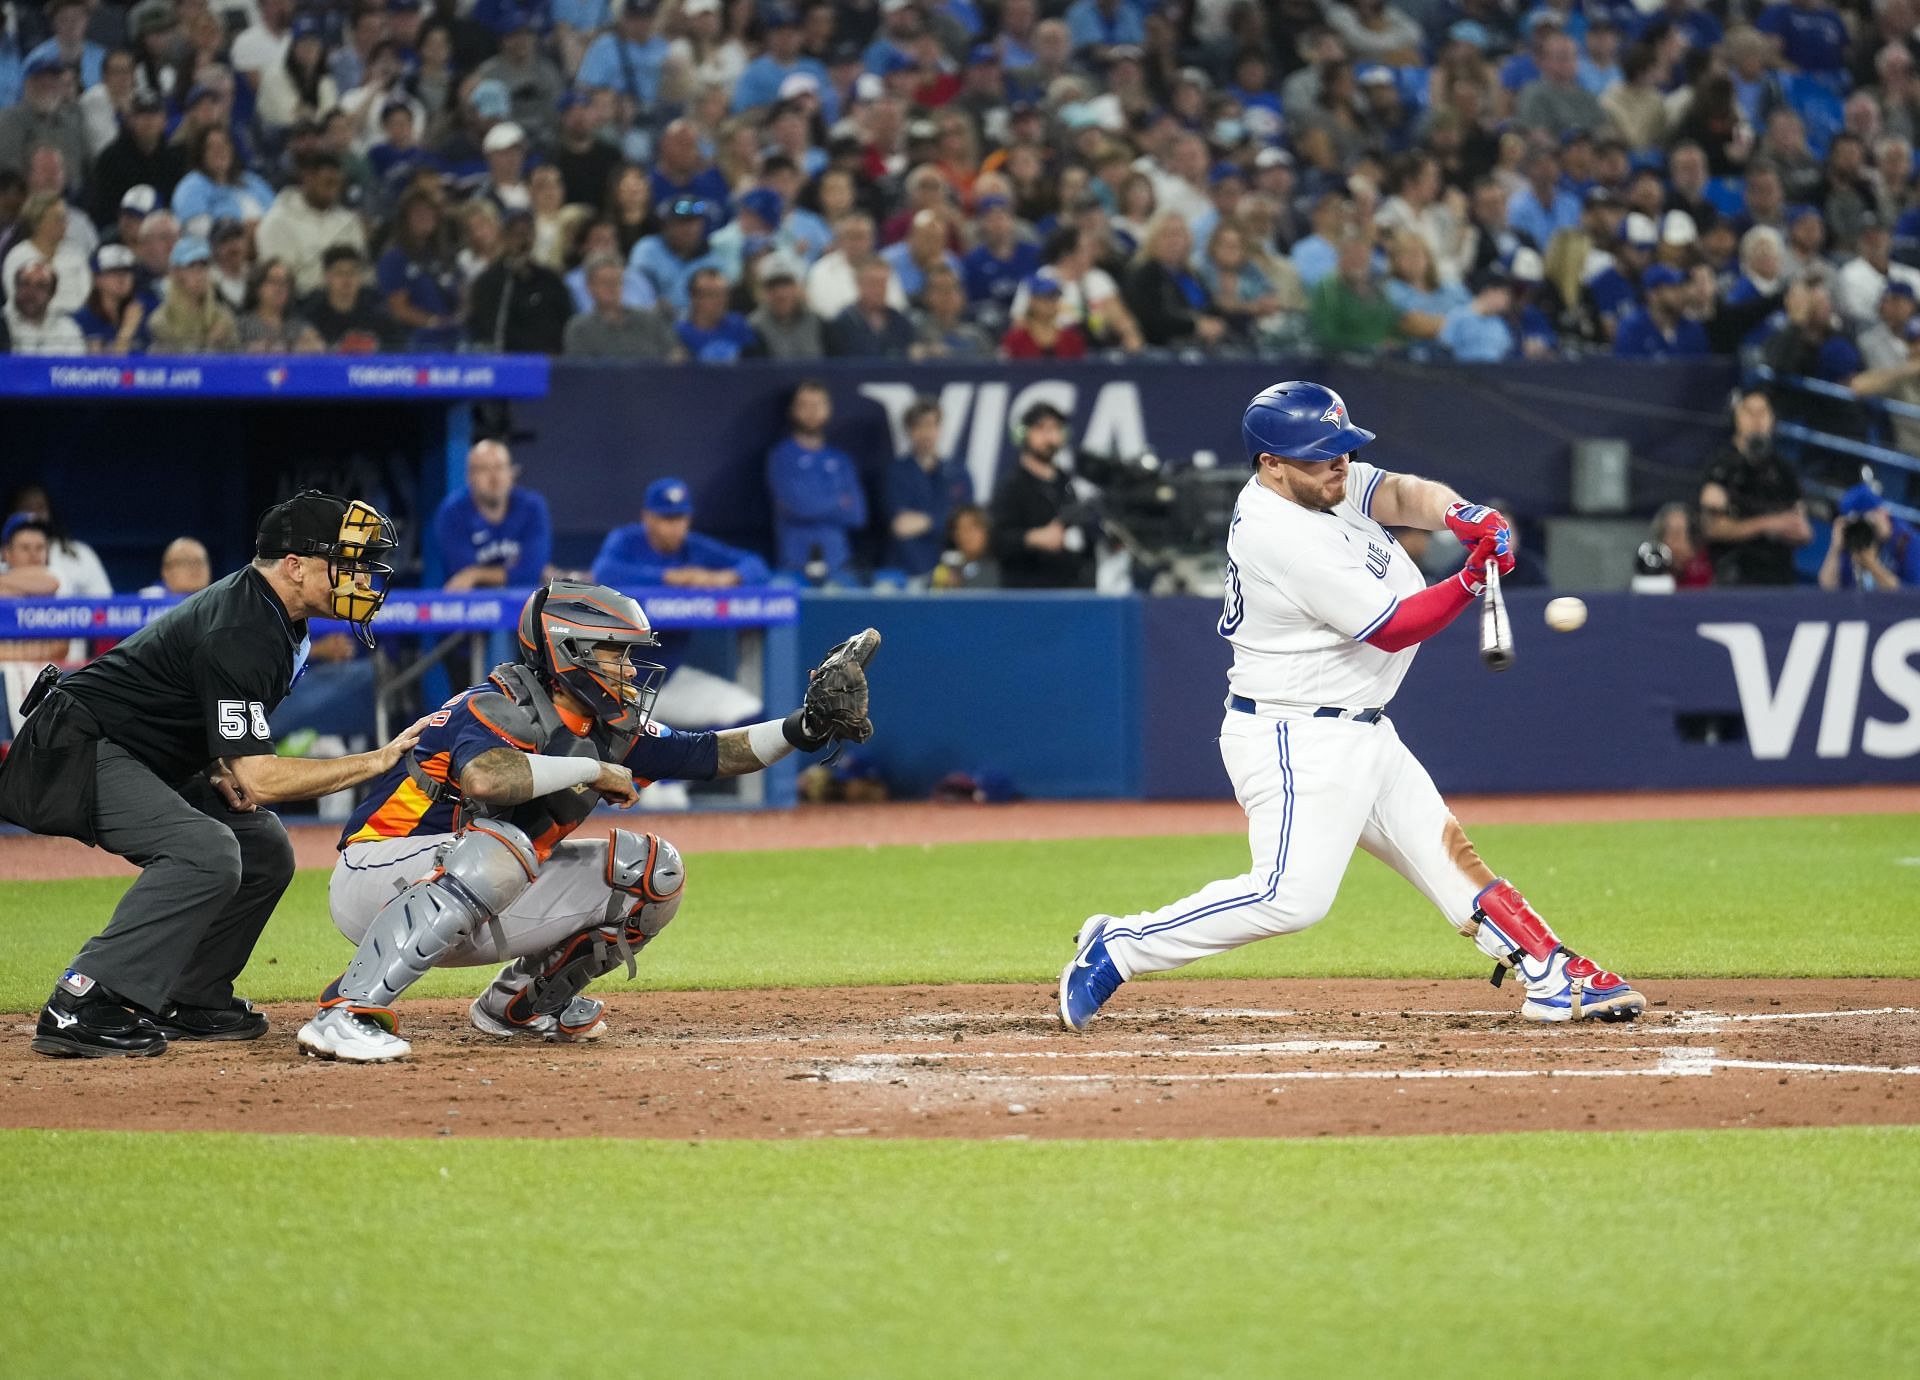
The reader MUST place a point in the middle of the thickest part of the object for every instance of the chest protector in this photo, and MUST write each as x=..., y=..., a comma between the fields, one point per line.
x=520, y=706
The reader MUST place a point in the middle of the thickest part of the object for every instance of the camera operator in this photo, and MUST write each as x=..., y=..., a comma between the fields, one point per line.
x=1043, y=537
x=1871, y=548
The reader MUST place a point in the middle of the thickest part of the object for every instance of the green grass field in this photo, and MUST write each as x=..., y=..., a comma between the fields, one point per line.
x=1723, y=1253
x=1783, y=897
x=1727, y=1254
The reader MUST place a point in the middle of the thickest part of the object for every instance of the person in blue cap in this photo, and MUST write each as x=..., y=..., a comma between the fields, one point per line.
x=46, y=114
x=995, y=268
x=669, y=259
x=1870, y=547
x=663, y=549
x=1659, y=330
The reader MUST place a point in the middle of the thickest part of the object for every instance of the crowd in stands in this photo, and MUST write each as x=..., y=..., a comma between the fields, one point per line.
x=710, y=180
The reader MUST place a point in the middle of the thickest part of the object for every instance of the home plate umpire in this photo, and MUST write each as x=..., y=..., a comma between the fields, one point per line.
x=159, y=752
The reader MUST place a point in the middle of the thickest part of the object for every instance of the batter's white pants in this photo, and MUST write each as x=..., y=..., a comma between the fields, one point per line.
x=1312, y=789
x=568, y=896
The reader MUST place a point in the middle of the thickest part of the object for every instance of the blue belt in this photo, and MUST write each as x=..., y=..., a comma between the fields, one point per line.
x=1359, y=716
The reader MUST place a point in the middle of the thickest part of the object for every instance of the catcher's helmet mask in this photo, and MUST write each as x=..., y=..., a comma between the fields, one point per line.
x=1298, y=420
x=564, y=624
x=350, y=534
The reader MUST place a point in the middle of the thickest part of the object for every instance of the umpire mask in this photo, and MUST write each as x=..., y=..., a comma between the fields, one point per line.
x=351, y=535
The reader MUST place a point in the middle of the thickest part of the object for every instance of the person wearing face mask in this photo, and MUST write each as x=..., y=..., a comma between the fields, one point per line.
x=1751, y=511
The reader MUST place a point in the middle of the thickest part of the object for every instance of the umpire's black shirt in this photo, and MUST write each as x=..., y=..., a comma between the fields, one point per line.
x=200, y=680
x=1022, y=502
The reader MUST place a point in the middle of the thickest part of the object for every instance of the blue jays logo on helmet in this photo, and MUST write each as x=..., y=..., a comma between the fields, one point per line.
x=1300, y=421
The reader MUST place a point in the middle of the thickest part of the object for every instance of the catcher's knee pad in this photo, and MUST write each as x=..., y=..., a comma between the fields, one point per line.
x=484, y=871
x=1505, y=926
x=645, y=880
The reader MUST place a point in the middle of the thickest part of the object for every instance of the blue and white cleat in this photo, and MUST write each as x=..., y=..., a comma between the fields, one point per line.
x=1568, y=987
x=1087, y=982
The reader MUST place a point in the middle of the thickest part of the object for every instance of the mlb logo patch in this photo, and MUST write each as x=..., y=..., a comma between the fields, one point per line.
x=77, y=983
x=1336, y=413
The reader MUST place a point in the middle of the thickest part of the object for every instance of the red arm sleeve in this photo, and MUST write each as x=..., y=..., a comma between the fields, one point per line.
x=1422, y=615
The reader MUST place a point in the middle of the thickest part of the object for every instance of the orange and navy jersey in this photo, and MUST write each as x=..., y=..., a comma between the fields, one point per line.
x=479, y=720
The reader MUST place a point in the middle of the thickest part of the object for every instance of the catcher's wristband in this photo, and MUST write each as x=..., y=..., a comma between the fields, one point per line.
x=793, y=729
x=767, y=741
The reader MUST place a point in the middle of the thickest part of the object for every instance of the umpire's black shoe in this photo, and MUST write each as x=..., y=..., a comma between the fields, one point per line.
x=83, y=1020
x=237, y=1020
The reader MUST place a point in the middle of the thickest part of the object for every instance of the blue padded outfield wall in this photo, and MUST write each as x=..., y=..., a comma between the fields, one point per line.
x=602, y=433
x=1080, y=696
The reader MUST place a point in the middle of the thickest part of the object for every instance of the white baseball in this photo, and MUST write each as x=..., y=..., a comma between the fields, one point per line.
x=1565, y=614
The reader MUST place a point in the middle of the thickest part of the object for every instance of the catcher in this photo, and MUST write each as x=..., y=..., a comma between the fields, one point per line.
x=460, y=854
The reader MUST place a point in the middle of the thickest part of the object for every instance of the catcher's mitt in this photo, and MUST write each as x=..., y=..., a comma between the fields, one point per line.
x=835, y=708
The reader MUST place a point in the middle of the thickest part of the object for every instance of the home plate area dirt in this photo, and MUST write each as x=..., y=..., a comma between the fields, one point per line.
x=1168, y=1059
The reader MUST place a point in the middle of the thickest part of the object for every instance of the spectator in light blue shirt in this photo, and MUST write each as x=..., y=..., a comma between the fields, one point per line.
x=493, y=533
x=69, y=43
x=627, y=60
x=601, y=237
x=1314, y=255
x=924, y=248
x=759, y=84
x=1543, y=206
x=669, y=259
x=1599, y=65
x=1096, y=25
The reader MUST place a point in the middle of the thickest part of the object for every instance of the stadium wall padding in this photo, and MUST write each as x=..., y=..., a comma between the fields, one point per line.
x=1086, y=696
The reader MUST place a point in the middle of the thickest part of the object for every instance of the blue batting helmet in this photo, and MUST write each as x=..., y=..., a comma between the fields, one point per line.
x=1302, y=421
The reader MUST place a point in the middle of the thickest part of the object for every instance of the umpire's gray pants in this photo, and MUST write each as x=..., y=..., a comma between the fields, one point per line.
x=209, y=879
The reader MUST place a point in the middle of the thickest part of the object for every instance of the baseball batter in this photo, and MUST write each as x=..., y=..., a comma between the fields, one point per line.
x=460, y=855
x=1324, y=610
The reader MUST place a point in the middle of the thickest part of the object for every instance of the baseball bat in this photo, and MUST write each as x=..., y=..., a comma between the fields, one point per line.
x=1496, y=633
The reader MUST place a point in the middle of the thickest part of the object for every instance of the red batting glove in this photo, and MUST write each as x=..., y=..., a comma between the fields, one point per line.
x=1474, y=573
x=1474, y=523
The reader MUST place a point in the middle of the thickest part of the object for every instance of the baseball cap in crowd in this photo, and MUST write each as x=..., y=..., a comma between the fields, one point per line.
x=140, y=200
x=393, y=106
x=190, y=250
x=402, y=6
x=1901, y=288
x=503, y=136
x=1677, y=229
x=1272, y=158
x=25, y=522
x=1124, y=52
x=868, y=86
x=1225, y=172
x=202, y=91
x=1660, y=276
x=639, y=9
x=778, y=267
x=1043, y=284
x=1602, y=196
x=1542, y=18
x=701, y=7
x=490, y=99
x=308, y=26
x=799, y=84
x=146, y=103
x=922, y=132
x=764, y=202
x=844, y=52
x=983, y=55
x=224, y=230
x=1375, y=74
x=991, y=203
x=893, y=61
x=689, y=208
x=44, y=64
x=1639, y=231
x=514, y=18
x=669, y=498
x=112, y=258
x=1527, y=266
x=1861, y=498
x=1471, y=31
x=152, y=17
x=776, y=17
x=894, y=6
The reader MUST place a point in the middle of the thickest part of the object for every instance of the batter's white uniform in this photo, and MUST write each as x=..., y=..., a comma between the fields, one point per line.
x=1304, y=588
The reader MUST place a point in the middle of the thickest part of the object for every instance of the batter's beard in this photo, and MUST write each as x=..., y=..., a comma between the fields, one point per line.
x=1321, y=504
